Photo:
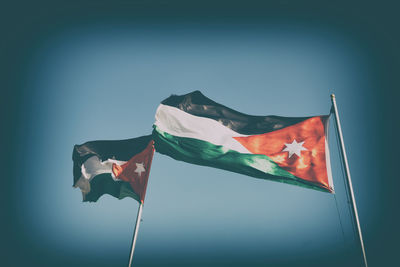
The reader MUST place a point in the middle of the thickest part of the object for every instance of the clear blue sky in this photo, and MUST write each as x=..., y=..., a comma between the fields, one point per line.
x=105, y=81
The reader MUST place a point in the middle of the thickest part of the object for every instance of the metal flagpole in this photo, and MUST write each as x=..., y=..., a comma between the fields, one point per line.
x=138, y=218
x=349, y=185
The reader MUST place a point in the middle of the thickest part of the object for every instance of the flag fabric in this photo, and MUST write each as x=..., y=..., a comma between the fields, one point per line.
x=294, y=150
x=119, y=168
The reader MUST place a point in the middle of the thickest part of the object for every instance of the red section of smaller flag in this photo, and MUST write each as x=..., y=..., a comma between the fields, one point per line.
x=310, y=165
x=136, y=171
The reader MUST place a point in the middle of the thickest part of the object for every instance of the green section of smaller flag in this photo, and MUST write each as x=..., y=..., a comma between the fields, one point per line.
x=105, y=184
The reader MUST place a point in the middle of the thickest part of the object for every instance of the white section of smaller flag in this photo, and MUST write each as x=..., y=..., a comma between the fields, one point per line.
x=94, y=166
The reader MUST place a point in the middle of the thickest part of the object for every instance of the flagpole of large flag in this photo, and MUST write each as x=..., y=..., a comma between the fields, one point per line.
x=135, y=233
x=349, y=184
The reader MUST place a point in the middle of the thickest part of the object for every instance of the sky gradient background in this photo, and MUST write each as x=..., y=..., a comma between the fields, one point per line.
x=75, y=73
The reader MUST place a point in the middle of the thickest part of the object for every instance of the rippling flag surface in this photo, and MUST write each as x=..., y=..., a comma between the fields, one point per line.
x=119, y=168
x=294, y=150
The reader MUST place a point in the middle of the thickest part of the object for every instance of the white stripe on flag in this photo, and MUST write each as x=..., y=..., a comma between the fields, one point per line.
x=93, y=166
x=179, y=123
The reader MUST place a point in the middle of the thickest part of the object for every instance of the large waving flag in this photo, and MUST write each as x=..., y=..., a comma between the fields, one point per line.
x=195, y=129
x=120, y=168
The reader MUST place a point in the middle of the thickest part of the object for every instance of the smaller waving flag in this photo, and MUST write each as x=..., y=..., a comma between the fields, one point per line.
x=119, y=168
x=294, y=150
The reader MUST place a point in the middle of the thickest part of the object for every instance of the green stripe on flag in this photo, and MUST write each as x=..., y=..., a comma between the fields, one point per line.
x=104, y=184
x=207, y=154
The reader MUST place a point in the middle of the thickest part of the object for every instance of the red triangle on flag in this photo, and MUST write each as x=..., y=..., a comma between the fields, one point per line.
x=298, y=149
x=136, y=171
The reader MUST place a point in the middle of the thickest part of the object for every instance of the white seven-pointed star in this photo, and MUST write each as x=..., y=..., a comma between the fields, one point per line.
x=140, y=168
x=294, y=148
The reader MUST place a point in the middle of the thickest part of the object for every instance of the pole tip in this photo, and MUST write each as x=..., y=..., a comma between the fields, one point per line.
x=332, y=96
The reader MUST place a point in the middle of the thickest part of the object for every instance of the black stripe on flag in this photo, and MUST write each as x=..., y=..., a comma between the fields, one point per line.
x=195, y=103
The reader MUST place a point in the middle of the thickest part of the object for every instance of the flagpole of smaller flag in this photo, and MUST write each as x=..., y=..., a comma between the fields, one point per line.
x=135, y=233
x=349, y=184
